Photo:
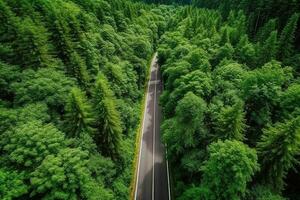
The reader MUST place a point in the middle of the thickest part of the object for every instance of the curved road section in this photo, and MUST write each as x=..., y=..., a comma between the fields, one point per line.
x=152, y=174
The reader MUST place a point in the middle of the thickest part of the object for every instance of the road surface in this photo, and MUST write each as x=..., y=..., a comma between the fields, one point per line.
x=152, y=174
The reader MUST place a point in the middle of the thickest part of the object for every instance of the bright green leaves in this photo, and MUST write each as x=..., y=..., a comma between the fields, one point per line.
x=186, y=131
x=189, y=111
x=51, y=53
x=197, y=82
x=9, y=118
x=66, y=176
x=230, y=65
x=290, y=100
x=28, y=144
x=48, y=85
x=11, y=184
x=31, y=48
x=77, y=69
x=228, y=76
x=229, y=168
x=229, y=121
x=261, y=89
x=56, y=171
x=79, y=114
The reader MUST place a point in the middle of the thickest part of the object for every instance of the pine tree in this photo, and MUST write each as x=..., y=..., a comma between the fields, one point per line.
x=287, y=37
x=277, y=151
x=9, y=23
x=225, y=37
x=76, y=67
x=31, y=49
x=230, y=122
x=79, y=116
x=265, y=31
x=269, y=49
x=109, y=130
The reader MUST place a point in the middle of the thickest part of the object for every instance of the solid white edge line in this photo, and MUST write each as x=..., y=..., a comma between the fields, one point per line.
x=168, y=174
x=141, y=140
x=154, y=131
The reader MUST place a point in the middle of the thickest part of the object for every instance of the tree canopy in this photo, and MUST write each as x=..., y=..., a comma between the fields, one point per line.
x=72, y=77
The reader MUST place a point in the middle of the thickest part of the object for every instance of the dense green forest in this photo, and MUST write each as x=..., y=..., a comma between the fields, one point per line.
x=231, y=104
x=72, y=77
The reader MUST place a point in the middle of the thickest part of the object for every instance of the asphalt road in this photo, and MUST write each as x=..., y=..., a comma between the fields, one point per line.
x=152, y=178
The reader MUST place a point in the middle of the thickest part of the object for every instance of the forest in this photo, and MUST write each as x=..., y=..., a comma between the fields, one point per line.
x=72, y=76
x=72, y=81
x=231, y=101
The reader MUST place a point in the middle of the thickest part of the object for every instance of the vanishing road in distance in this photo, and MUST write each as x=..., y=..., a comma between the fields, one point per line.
x=152, y=173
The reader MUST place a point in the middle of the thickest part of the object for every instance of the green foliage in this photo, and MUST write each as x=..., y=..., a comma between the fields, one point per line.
x=51, y=53
x=8, y=75
x=29, y=143
x=108, y=135
x=229, y=122
x=78, y=68
x=277, y=151
x=261, y=89
x=48, y=85
x=197, y=82
x=228, y=76
x=182, y=131
x=287, y=37
x=66, y=176
x=229, y=168
x=290, y=100
x=9, y=118
x=265, y=31
x=245, y=51
x=264, y=193
x=186, y=110
x=269, y=49
x=11, y=184
x=229, y=57
x=192, y=193
x=79, y=115
x=31, y=49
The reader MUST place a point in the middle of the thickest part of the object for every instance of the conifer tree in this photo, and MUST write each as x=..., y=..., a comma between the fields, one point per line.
x=225, y=37
x=76, y=67
x=79, y=116
x=109, y=130
x=287, y=37
x=31, y=49
x=269, y=49
x=265, y=31
x=230, y=122
x=278, y=150
x=9, y=23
